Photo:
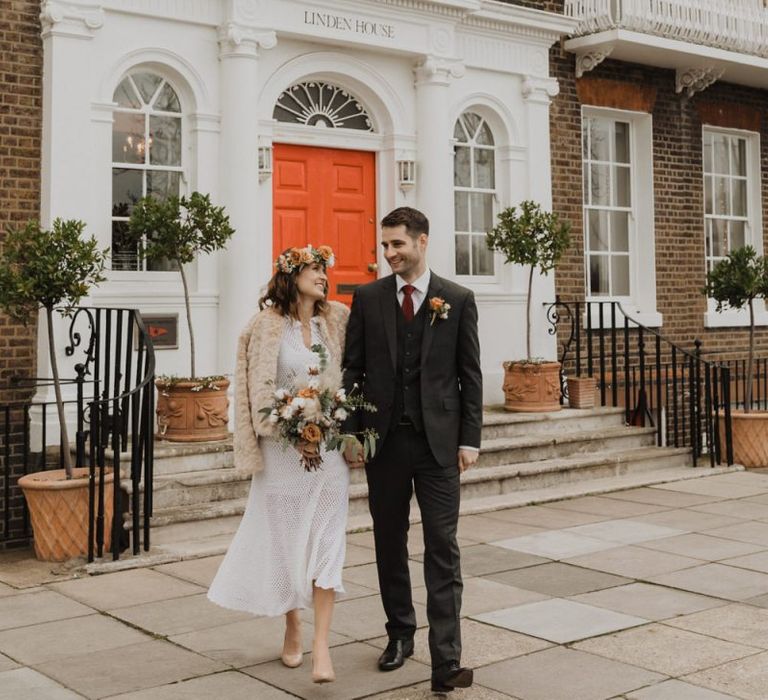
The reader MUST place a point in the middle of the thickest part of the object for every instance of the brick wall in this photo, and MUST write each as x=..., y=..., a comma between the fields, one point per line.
x=21, y=67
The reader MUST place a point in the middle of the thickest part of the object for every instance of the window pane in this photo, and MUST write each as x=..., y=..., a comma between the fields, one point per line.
x=598, y=230
x=461, y=210
x=585, y=138
x=126, y=190
x=123, y=254
x=163, y=265
x=708, y=237
x=585, y=185
x=161, y=184
x=482, y=258
x=622, y=190
x=599, y=138
x=600, y=185
x=482, y=212
x=471, y=122
x=461, y=167
x=739, y=156
x=707, y=153
x=125, y=95
x=165, y=140
x=484, y=167
x=598, y=275
x=719, y=238
x=720, y=151
x=147, y=84
x=458, y=132
x=721, y=196
x=738, y=239
x=128, y=138
x=739, y=197
x=167, y=100
x=622, y=142
x=620, y=231
x=462, y=255
x=620, y=275
x=707, y=194
x=484, y=136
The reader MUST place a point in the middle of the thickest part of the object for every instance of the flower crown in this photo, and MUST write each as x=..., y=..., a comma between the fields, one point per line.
x=296, y=258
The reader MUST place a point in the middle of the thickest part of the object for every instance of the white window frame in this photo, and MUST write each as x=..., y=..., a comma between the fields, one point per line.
x=473, y=279
x=753, y=229
x=641, y=302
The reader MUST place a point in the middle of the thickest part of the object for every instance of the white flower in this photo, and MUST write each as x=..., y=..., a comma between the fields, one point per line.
x=340, y=414
x=313, y=411
x=341, y=396
x=280, y=394
x=313, y=383
x=287, y=411
x=298, y=402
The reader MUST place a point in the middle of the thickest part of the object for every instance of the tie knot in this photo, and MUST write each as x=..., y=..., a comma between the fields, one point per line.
x=408, y=289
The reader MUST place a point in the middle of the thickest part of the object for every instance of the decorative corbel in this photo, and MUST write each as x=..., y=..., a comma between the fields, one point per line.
x=432, y=69
x=241, y=40
x=693, y=80
x=589, y=60
x=70, y=19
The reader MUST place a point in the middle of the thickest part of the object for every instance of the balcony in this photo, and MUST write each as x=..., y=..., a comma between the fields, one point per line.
x=703, y=40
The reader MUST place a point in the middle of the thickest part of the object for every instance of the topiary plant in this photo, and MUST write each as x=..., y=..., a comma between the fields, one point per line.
x=54, y=270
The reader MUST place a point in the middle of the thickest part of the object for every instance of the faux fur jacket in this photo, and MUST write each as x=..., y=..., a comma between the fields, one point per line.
x=257, y=351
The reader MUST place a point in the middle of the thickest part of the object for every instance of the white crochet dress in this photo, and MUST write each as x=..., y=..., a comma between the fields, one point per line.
x=293, y=529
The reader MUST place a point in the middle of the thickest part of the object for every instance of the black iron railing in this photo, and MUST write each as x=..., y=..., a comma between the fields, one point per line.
x=686, y=398
x=113, y=404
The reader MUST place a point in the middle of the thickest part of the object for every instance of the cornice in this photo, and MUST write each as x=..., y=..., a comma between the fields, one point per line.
x=70, y=19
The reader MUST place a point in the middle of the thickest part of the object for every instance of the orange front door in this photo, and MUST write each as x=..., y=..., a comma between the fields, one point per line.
x=327, y=196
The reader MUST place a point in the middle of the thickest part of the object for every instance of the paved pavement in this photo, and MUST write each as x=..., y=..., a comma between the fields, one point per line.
x=653, y=593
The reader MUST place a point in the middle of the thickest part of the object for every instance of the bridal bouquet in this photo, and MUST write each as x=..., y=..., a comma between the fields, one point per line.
x=311, y=413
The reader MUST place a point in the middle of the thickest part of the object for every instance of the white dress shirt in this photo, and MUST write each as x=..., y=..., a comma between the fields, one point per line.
x=419, y=294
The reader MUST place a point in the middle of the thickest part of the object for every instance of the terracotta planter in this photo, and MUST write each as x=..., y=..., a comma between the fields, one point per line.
x=750, y=438
x=58, y=509
x=581, y=392
x=532, y=387
x=184, y=415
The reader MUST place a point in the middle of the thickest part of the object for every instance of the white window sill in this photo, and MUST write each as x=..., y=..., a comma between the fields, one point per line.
x=735, y=318
x=651, y=319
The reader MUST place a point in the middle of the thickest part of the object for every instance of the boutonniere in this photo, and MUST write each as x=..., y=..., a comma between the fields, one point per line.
x=439, y=308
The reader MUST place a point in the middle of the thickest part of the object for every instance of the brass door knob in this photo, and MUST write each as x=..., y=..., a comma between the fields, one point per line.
x=372, y=267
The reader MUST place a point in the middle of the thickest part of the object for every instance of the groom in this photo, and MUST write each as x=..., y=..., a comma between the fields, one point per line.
x=412, y=348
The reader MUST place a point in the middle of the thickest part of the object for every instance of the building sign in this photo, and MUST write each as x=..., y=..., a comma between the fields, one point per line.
x=163, y=329
x=354, y=25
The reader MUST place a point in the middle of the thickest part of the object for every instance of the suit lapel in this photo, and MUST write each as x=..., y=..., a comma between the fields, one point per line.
x=388, y=299
x=435, y=285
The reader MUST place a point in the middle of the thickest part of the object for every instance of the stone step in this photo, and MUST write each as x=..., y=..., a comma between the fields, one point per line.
x=500, y=423
x=178, y=457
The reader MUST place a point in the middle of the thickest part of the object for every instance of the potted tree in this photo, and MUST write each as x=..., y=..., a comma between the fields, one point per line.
x=53, y=270
x=536, y=239
x=735, y=282
x=177, y=229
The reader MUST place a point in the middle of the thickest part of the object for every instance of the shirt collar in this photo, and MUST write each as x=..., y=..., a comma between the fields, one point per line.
x=421, y=284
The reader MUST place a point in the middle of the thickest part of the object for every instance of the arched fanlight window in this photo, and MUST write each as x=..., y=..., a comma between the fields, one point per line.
x=146, y=155
x=474, y=194
x=324, y=105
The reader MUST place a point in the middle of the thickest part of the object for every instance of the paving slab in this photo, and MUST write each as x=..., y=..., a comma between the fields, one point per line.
x=688, y=520
x=483, y=595
x=716, y=580
x=356, y=675
x=483, y=559
x=703, y=546
x=131, y=668
x=634, y=562
x=247, y=643
x=20, y=569
x=5, y=590
x=564, y=674
x=558, y=580
x=355, y=590
x=125, y=588
x=559, y=620
x=738, y=623
x=367, y=575
x=199, y=571
x=742, y=508
x=7, y=664
x=752, y=531
x=23, y=683
x=661, y=497
x=758, y=601
x=481, y=644
x=479, y=528
x=179, y=615
x=625, y=531
x=357, y=555
x=755, y=562
x=555, y=544
x=676, y=690
x=666, y=650
x=609, y=507
x=229, y=685
x=52, y=640
x=717, y=486
x=365, y=539
x=648, y=601
x=745, y=678
x=34, y=608
x=422, y=691
x=546, y=517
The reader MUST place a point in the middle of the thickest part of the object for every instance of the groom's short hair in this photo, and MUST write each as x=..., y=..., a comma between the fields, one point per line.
x=414, y=221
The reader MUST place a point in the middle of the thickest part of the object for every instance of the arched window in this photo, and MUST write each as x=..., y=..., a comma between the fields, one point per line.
x=146, y=155
x=474, y=193
x=323, y=105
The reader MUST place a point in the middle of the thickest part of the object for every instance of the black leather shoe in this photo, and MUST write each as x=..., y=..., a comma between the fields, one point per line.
x=450, y=677
x=394, y=656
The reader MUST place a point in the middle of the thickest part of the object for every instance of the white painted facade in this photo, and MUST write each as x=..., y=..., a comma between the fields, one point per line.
x=415, y=65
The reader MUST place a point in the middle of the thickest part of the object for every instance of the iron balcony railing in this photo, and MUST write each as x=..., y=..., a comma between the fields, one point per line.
x=734, y=25
x=685, y=397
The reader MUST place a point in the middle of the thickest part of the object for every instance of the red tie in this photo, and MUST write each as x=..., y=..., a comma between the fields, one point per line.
x=408, y=291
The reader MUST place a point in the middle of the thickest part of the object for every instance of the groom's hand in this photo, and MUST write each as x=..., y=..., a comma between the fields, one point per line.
x=467, y=459
x=353, y=454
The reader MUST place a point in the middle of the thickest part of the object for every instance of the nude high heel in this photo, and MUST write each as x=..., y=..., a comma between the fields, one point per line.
x=322, y=676
x=292, y=660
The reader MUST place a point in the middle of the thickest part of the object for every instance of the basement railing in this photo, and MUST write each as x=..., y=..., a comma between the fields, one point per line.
x=733, y=25
x=658, y=383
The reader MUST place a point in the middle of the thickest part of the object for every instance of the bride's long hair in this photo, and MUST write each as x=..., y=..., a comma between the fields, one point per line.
x=283, y=293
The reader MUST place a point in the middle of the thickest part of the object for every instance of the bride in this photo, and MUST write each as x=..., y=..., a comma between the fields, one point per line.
x=289, y=549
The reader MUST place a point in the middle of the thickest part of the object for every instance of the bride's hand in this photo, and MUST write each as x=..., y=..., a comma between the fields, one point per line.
x=353, y=454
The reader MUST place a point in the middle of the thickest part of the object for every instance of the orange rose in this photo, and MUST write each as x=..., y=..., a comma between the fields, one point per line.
x=436, y=303
x=308, y=393
x=312, y=433
x=325, y=251
x=306, y=256
x=295, y=256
